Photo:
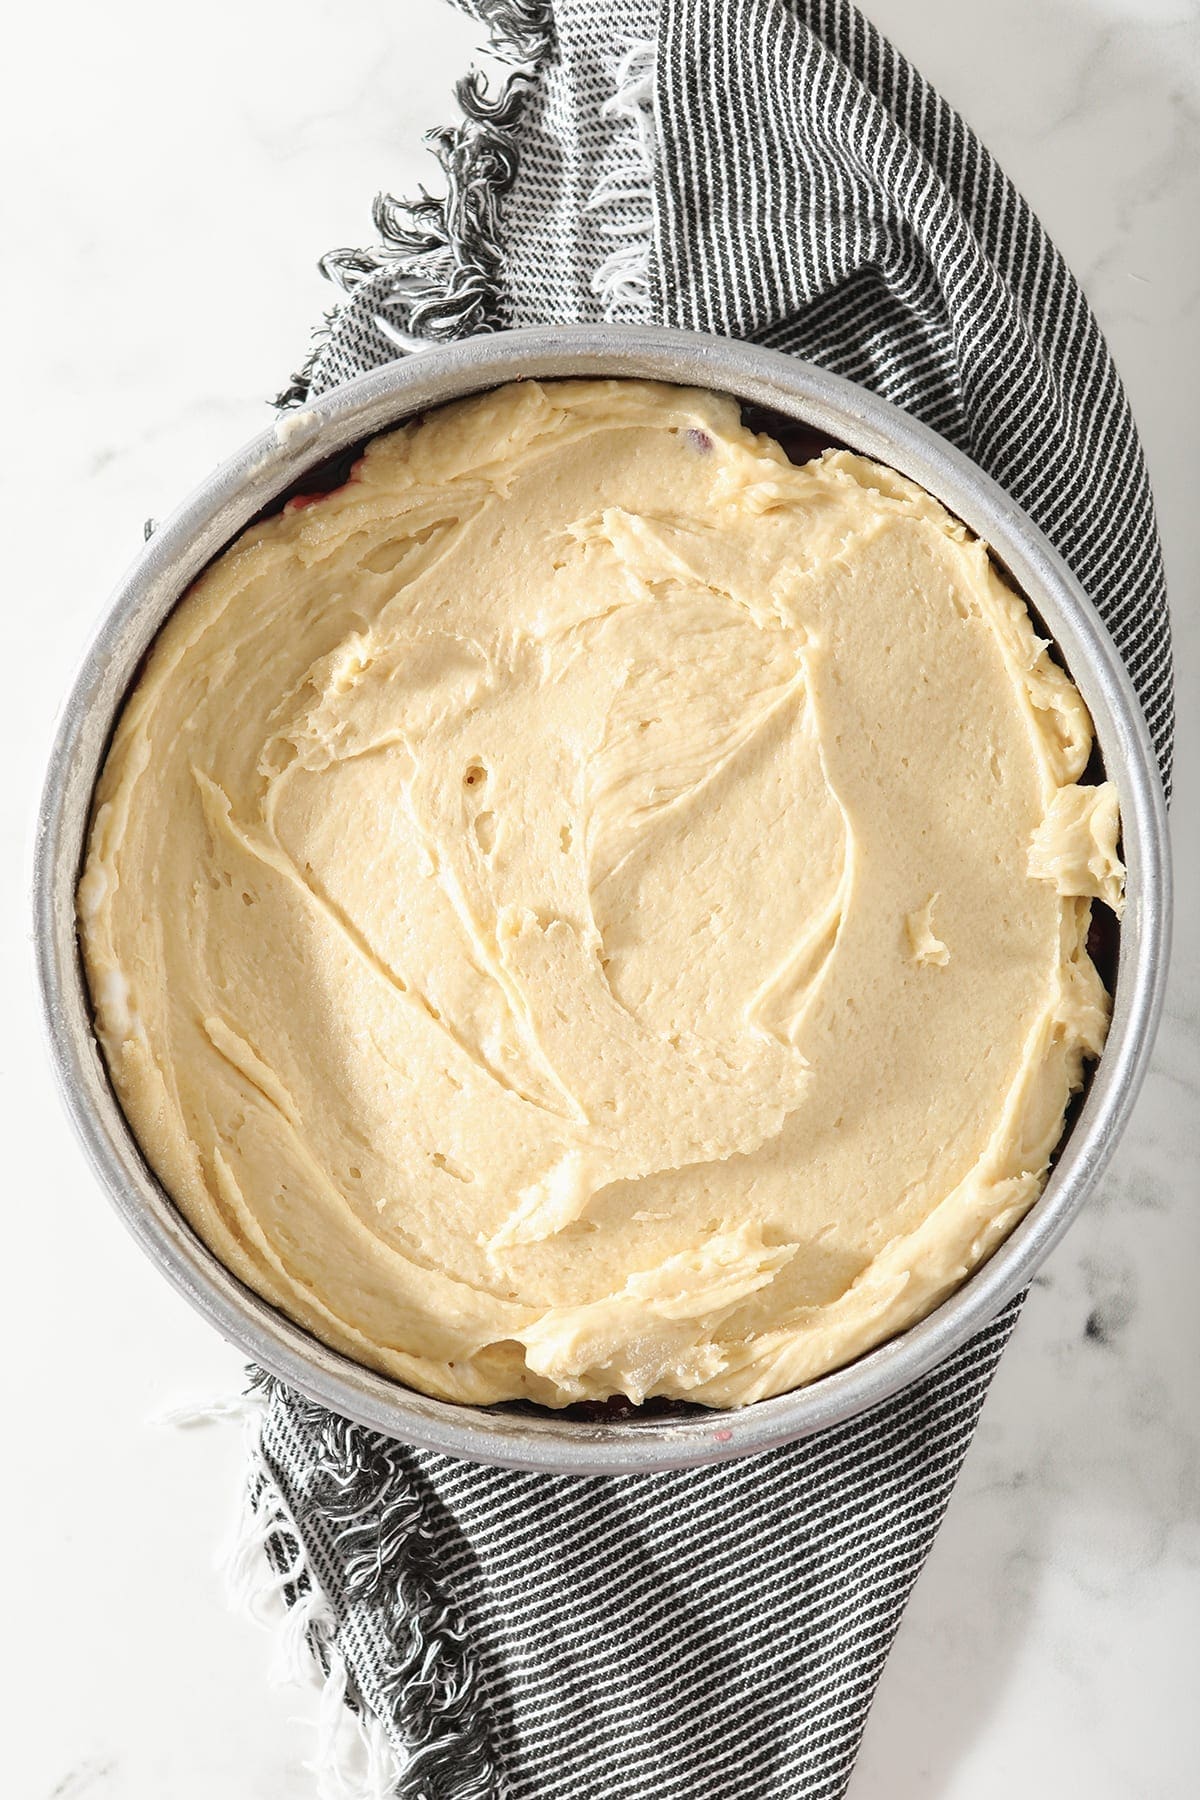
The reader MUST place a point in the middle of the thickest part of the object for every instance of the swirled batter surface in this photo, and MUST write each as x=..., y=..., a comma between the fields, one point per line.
x=590, y=907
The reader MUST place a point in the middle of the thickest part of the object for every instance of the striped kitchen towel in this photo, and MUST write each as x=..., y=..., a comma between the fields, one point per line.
x=774, y=170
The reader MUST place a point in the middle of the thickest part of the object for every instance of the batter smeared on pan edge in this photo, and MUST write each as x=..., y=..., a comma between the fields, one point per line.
x=590, y=907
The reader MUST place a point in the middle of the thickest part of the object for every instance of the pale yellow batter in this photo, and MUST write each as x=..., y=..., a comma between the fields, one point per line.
x=589, y=907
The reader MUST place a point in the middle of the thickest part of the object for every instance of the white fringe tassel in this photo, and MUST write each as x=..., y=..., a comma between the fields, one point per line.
x=354, y=1758
x=216, y=1411
x=622, y=280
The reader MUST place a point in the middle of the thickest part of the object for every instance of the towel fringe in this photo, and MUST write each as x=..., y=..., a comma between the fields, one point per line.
x=217, y=1410
x=440, y=259
x=269, y=1579
x=622, y=281
x=424, y=1729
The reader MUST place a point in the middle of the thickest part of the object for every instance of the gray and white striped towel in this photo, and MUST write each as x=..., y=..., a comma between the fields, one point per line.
x=771, y=169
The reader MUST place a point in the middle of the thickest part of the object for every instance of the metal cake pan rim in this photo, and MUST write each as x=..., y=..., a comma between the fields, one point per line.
x=232, y=495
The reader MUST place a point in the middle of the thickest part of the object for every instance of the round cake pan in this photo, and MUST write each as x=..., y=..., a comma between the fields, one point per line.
x=272, y=465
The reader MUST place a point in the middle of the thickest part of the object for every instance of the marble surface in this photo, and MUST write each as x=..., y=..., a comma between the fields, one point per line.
x=174, y=175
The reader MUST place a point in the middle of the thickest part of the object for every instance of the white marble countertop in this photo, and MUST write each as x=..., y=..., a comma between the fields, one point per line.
x=173, y=175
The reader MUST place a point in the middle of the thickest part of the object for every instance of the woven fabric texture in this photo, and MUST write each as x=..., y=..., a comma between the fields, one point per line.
x=776, y=171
